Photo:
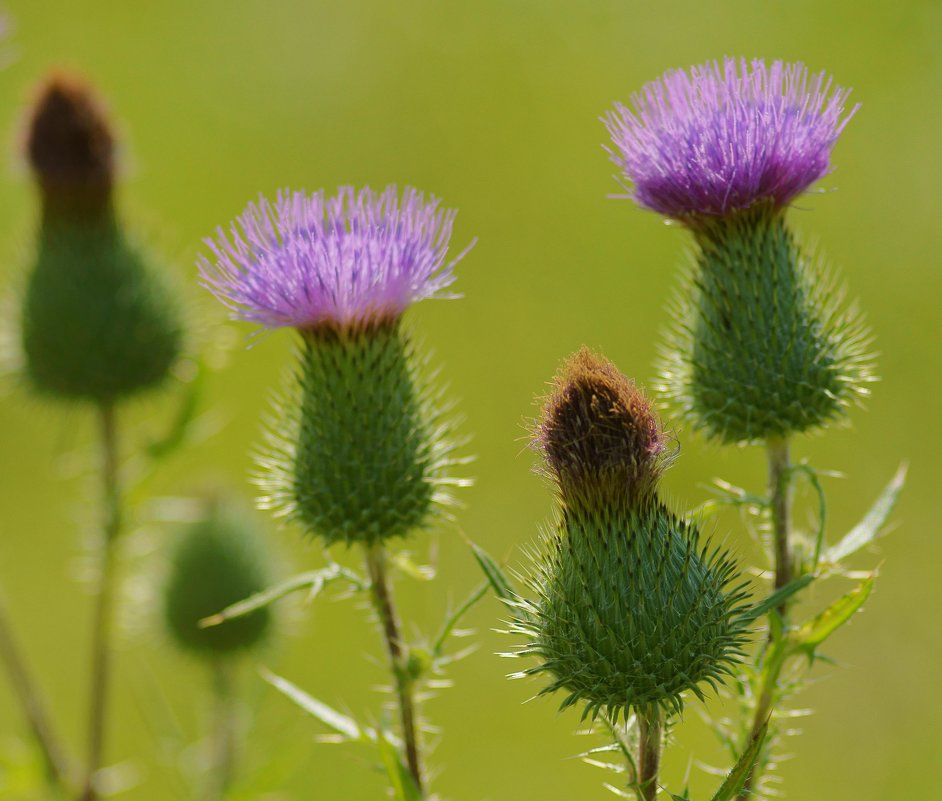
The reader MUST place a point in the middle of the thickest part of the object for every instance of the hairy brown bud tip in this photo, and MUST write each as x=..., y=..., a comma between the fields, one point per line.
x=70, y=146
x=597, y=425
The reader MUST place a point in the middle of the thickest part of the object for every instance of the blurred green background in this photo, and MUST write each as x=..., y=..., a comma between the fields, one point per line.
x=494, y=106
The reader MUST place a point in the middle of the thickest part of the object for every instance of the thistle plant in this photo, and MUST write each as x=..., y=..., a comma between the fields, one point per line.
x=763, y=347
x=631, y=609
x=98, y=322
x=360, y=452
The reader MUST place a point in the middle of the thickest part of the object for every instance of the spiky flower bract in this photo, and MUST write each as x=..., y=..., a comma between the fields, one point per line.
x=631, y=610
x=761, y=346
x=723, y=137
x=98, y=322
x=361, y=452
x=217, y=562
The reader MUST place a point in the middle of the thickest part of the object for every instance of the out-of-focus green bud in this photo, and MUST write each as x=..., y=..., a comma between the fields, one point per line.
x=217, y=562
x=98, y=320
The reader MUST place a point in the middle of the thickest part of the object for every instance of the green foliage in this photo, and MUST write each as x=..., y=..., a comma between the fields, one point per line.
x=630, y=610
x=98, y=320
x=217, y=562
x=365, y=454
x=761, y=347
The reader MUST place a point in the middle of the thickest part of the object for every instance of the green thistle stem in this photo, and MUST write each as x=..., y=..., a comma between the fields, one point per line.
x=225, y=731
x=385, y=609
x=650, y=732
x=774, y=653
x=780, y=502
x=104, y=611
x=54, y=757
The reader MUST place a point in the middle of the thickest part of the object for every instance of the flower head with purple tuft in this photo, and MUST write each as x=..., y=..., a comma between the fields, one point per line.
x=721, y=138
x=310, y=260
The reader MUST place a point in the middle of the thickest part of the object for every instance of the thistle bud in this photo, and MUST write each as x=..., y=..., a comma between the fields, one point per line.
x=98, y=322
x=217, y=562
x=631, y=610
x=361, y=453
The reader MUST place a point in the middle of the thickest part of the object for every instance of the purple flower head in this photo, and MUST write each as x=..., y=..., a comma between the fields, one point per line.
x=311, y=260
x=720, y=138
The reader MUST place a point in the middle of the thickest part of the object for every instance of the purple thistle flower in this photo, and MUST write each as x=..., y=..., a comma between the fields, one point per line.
x=310, y=260
x=721, y=138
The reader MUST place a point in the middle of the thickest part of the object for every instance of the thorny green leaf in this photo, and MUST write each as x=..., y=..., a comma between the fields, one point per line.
x=741, y=770
x=495, y=575
x=401, y=781
x=314, y=581
x=452, y=620
x=778, y=596
x=873, y=522
x=810, y=635
x=341, y=724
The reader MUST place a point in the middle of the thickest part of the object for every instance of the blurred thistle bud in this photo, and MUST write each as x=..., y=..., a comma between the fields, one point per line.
x=761, y=346
x=218, y=561
x=361, y=453
x=631, y=611
x=98, y=322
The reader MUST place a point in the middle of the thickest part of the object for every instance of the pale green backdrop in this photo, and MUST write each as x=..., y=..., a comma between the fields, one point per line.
x=493, y=105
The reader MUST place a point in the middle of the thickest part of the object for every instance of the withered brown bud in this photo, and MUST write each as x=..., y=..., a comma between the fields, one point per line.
x=598, y=428
x=70, y=147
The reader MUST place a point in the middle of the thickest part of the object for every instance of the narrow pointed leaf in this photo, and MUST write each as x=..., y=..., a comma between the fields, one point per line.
x=822, y=626
x=777, y=597
x=401, y=781
x=455, y=617
x=342, y=724
x=741, y=770
x=497, y=578
x=314, y=581
x=867, y=529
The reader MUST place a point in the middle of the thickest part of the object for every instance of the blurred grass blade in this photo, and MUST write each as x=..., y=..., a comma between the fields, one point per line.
x=776, y=598
x=867, y=529
x=495, y=575
x=342, y=724
x=314, y=581
x=741, y=770
x=401, y=781
x=822, y=626
x=184, y=418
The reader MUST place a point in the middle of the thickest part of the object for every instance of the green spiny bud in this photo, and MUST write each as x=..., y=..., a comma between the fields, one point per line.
x=217, y=562
x=631, y=610
x=364, y=457
x=762, y=348
x=98, y=322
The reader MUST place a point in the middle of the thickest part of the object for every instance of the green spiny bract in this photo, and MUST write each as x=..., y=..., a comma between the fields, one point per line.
x=98, y=321
x=217, y=562
x=364, y=456
x=762, y=348
x=630, y=610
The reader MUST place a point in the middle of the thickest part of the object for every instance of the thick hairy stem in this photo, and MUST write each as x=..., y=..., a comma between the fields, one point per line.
x=54, y=756
x=104, y=607
x=650, y=735
x=225, y=731
x=385, y=609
